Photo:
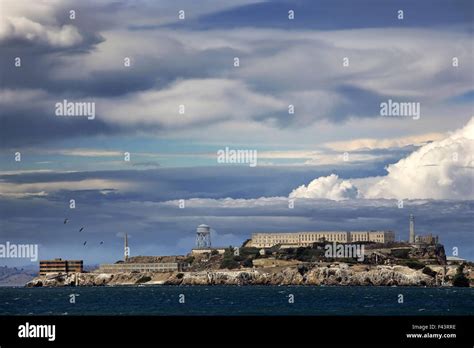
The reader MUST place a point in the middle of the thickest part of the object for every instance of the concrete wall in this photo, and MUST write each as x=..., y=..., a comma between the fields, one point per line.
x=141, y=267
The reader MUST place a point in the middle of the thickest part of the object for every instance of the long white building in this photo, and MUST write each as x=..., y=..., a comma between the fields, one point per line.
x=126, y=267
x=302, y=239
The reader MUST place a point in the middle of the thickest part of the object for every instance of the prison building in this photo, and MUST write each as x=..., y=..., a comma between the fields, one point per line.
x=303, y=239
x=61, y=266
x=143, y=267
x=372, y=236
x=360, y=236
x=429, y=239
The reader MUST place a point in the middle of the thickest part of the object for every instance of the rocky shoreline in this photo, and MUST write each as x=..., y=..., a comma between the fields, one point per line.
x=334, y=274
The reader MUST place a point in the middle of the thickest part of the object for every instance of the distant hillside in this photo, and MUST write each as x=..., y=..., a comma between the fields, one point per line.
x=13, y=276
x=90, y=268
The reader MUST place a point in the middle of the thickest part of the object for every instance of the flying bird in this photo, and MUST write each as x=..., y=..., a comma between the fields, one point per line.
x=66, y=220
x=85, y=242
x=101, y=243
x=81, y=229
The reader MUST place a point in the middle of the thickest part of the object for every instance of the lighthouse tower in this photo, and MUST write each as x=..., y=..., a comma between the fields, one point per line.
x=126, y=249
x=412, y=229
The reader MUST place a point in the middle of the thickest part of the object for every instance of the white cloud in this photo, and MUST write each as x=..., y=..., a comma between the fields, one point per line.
x=328, y=187
x=442, y=169
x=281, y=65
x=372, y=143
x=13, y=98
x=39, y=21
x=88, y=153
x=204, y=100
x=312, y=158
x=272, y=75
x=38, y=11
x=25, y=29
x=394, y=62
x=228, y=203
x=44, y=188
x=338, y=159
x=278, y=67
x=25, y=171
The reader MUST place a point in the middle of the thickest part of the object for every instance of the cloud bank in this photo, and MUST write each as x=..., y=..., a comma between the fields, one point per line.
x=442, y=169
x=328, y=187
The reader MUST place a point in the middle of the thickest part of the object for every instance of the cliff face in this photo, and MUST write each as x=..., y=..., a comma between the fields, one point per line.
x=381, y=275
x=432, y=252
x=339, y=274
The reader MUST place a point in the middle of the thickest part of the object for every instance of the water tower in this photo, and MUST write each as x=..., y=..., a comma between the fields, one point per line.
x=203, y=237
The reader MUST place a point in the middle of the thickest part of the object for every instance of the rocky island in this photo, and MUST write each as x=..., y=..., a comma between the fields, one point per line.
x=384, y=265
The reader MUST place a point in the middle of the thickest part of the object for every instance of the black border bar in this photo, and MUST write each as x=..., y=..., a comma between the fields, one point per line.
x=240, y=330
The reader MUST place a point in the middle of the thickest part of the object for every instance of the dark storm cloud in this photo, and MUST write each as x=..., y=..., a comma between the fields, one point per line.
x=148, y=71
x=206, y=182
x=30, y=125
x=41, y=59
x=156, y=226
x=229, y=200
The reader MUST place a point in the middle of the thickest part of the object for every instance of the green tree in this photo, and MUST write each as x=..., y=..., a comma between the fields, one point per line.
x=228, y=260
x=189, y=259
x=229, y=264
x=248, y=263
x=460, y=279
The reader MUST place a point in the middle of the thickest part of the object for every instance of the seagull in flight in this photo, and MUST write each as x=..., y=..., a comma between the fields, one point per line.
x=85, y=243
x=81, y=229
x=66, y=220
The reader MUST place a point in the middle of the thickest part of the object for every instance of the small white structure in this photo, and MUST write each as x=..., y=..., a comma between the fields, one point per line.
x=207, y=250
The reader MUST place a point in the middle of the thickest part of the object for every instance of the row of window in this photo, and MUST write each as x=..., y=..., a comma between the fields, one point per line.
x=59, y=267
x=60, y=264
x=338, y=237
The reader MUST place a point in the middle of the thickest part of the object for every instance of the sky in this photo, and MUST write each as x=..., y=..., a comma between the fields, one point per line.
x=168, y=96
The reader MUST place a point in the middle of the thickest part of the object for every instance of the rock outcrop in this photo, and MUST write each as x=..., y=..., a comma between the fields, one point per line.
x=334, y=274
